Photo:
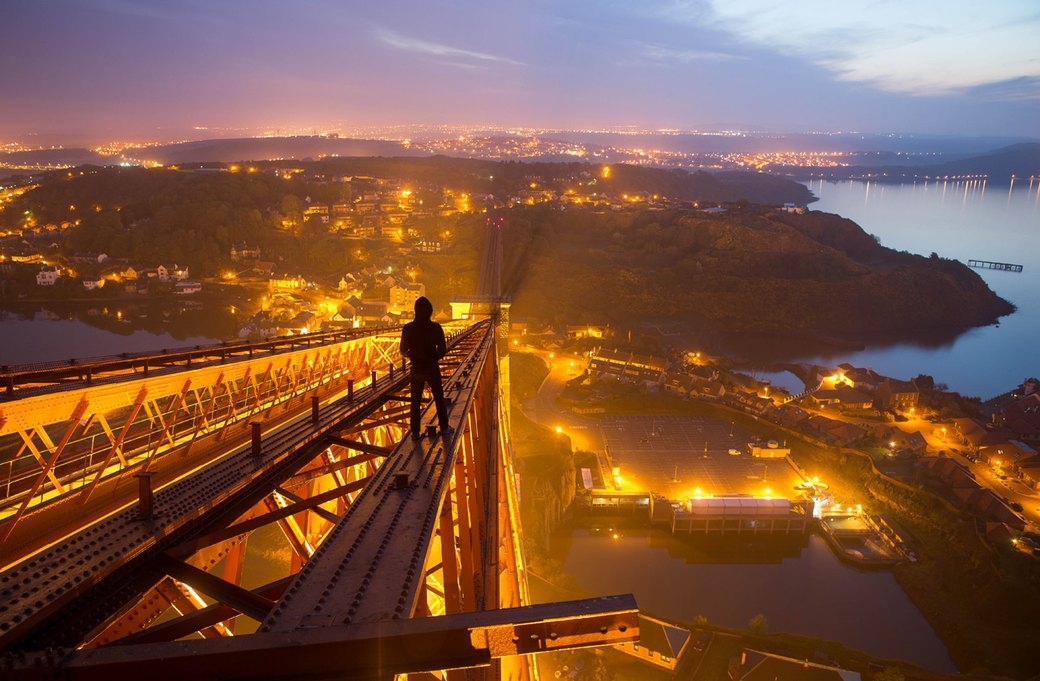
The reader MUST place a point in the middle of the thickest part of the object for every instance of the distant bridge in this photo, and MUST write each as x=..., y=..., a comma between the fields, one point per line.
x=987, y=265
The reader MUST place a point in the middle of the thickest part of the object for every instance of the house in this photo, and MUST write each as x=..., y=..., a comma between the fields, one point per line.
x=891, y=394
x=1007, y=456
x=290, y=282
x=749, y=400
x=1022, y=417
x=48, y=276
x=842, y=397
x=791, y=416
x=912, y=442
x=356, y=312
x=93, y=283
x=865, y=380
x=695, y=387
x=660, y=643
x=186, y=287
x=754, y=665
x=628, y=367
x=263, y=268
x=681, y=386
x=987, y=504
x=977, y=435
x=1029, y=471
x=835, y=432
x=349, y=282
x=171, y=272
x=132, y=272
x=949, y=471
x=403, y=297
x=244, y=251
x=586, y=331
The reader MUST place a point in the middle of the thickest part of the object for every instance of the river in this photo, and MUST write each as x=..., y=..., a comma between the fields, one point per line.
x=54, y=331
x=960, y=221
x=799, y=586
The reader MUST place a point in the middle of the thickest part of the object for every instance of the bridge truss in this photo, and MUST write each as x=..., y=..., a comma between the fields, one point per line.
x=261, y=517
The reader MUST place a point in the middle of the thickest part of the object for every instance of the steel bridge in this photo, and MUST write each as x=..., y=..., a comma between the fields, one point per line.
x=254, y=510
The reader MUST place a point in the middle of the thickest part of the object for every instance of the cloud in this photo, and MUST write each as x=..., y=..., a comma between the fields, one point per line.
x=1015, y=90
x=926, y=47
x=661, y=53
x=457, y=56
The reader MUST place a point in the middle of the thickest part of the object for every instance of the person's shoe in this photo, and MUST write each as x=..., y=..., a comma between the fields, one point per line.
x=447, y=431
x=416, y=436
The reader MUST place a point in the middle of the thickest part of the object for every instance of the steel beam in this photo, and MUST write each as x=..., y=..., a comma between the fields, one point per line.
x=376, y=650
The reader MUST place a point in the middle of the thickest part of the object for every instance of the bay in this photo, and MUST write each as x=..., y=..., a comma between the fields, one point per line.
x=960, y=221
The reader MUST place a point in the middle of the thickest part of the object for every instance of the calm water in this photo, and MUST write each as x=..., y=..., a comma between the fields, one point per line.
x=799, y=588
x=961, y=221
x=50, y=331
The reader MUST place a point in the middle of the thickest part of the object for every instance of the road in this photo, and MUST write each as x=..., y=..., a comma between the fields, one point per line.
x=938, y=438
x=544, y=409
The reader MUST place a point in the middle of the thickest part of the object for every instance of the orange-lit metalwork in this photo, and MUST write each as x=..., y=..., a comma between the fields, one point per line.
x=394, y=556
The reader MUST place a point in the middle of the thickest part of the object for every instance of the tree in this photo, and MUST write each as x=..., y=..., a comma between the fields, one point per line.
x=758, y=624
x=889, y=674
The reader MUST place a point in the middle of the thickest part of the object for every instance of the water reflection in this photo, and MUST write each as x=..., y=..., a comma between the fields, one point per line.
x=918, y=218
x=797, y=584
x=57, y=331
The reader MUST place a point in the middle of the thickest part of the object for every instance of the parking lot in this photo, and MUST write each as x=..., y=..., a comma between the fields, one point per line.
x=686, y=456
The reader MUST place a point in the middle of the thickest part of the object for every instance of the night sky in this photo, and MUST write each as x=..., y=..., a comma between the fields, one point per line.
x=163, y=70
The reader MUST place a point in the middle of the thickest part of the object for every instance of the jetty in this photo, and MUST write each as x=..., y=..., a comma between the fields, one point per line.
x=987, y=265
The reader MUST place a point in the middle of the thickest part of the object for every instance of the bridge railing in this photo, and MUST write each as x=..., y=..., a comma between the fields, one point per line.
x=36, y=375
x=64, y=438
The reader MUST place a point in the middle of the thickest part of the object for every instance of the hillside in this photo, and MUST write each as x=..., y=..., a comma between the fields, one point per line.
x=1020, y=161
x=749, y=270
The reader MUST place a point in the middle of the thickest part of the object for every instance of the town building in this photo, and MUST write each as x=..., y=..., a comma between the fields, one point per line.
x=628, y=367
x=244, y=251
x=403, y=296
x=48, y=276
x=660, y=644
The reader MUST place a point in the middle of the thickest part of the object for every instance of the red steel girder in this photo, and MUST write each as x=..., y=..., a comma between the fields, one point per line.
x=376, y=650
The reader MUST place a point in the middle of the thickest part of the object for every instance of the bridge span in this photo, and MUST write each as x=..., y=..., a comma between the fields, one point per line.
x=134, y=488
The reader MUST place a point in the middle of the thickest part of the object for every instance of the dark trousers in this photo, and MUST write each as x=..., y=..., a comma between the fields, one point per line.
x=431, y=376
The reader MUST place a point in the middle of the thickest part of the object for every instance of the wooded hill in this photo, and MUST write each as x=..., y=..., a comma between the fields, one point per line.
x=750, y=269
x=193, y=216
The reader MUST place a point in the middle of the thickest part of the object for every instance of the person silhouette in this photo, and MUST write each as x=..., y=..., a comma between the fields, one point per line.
x=423, y=343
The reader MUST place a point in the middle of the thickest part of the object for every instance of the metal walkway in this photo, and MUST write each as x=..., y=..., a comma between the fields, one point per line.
x=132, y=498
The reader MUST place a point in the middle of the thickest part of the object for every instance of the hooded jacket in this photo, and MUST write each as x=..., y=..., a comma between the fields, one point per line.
x=422, y=340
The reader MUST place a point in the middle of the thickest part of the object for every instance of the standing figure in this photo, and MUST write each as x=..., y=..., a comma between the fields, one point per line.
x=422, y=342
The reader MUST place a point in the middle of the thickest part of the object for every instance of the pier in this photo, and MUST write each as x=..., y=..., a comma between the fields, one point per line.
x=987, y=265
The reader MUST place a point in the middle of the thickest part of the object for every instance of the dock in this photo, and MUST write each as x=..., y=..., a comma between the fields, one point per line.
x=987, y=265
